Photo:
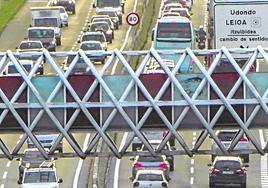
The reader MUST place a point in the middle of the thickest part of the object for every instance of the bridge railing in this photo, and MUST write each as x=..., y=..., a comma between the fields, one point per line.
x=132, y=100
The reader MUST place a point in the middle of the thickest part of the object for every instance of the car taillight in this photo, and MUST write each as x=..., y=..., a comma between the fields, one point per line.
x=240, y=172
x=215, y=171
x=163, y=165
x=137, y=165
x=243, y=139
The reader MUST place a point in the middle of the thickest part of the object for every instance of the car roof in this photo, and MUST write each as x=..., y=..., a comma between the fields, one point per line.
x=173, y=4
x=179, y=19
x=32, y=28
x=90, y=42
x=228, y=158
x=93, y=33
x=30, y=41
x=150, y=172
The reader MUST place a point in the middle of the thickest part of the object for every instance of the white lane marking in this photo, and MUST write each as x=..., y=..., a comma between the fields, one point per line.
x=21, y=136
x=80, y=163
x=2, y=185
x=192, y=161
x=8, y=164
x=192, y=170
x=118, y=161
x=194, y=133
x=4, y=175
x=192, y=180
x=194, y=138
x=126, y=38
x=264, y=168
x=193, y=143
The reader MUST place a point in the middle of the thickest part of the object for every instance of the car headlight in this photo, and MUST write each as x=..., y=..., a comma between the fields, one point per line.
x=53, y=42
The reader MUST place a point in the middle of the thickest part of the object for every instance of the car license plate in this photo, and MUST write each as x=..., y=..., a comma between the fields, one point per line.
x=227, y=172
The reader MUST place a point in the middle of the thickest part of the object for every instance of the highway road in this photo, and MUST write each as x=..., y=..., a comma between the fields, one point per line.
x=9, y=39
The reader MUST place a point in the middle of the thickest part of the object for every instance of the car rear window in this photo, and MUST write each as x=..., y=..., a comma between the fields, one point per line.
x=150, y=159
x=226, y=136
x=227, y=164
x=150, y=177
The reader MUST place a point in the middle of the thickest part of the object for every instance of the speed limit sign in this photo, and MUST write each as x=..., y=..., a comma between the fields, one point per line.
x=133, y=18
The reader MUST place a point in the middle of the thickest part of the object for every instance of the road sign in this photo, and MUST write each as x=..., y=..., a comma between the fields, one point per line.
x=241, y=25
x=133, y=19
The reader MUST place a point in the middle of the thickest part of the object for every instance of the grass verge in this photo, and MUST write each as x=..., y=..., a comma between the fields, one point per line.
x=8, y=9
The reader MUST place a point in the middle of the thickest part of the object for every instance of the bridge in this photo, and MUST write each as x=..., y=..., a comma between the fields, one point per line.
x=98, y=102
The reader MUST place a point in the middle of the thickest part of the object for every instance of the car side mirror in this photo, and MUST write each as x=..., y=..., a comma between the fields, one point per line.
x=30, y=25
x=123, y=7
x=60, y=180
x=209, y=165
x=16, y=48
x=246, y=165
x=132, y=158
x=25, y=38
x=94, y=5
x=131, y=178
x=18, y=159
x=79, y=41
x=19, y=182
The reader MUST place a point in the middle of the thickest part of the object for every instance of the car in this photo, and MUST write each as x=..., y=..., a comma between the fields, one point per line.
x=69, y=5
x=95, y=36
x=32, y=158
x=117, y=19
x=182, y=11
x=227, y=170
x=182, y=2
x=150, y=178
x=155, y=144
x=43, y=176
x=27, y=64
x=226, y=137
x=151, y=162
x=108, y=20
x=137, y=144
x=47, y=141
x=63, y=14
x=170, y=6
x=114, y=20
x=30, y=46
x=171, y=14
x=94, y=46
x=103, y=27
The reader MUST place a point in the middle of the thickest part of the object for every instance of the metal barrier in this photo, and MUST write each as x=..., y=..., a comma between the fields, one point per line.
x=99, y=102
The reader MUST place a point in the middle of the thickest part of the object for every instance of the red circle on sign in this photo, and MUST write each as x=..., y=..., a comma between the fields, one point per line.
x=133, y=19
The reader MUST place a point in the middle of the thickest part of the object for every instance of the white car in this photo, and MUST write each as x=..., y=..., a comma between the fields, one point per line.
x=169, y=6
x=63, y=15
x=40, y=178
x=150, y=178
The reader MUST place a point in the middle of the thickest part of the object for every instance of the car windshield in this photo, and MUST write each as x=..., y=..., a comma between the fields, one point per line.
x=39, y=177
x=91, y=46
x=150, y=177
x=101, y=26
x=41, y=33
x=46, y=22
x=12, y=69
x=30, y=45
x=103, y=20
x=174, y=31
x=227, y=164
x=110, y=13
x=108, y=3
x=150, y=159
x=93, y=37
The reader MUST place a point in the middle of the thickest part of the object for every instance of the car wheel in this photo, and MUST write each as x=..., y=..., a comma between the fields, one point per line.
x=111, y=41
x=103, y=61
x=243, y=185
x=73, y=11
x=171, y=163
x=211, y=185
x=67, y=24
x=60, y=150
x=58, y=41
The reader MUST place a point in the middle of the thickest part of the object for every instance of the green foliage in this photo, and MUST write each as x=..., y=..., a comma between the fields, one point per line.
x=8, y=9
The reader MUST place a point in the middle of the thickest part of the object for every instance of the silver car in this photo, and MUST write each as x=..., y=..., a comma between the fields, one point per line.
x=150, y=179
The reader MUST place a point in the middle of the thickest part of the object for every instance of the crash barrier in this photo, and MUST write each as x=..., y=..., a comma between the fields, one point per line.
x=97, y=101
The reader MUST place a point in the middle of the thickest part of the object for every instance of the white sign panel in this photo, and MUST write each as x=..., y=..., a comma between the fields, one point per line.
x=241, y=26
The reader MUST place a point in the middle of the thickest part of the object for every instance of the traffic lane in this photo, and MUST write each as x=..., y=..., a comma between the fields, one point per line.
x=65, y=166
x=16, y=29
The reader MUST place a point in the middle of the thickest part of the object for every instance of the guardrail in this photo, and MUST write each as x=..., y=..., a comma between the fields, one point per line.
x=99, y=102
